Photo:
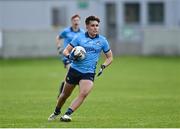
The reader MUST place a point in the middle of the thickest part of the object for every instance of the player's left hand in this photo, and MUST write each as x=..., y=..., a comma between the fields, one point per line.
x=101, y=70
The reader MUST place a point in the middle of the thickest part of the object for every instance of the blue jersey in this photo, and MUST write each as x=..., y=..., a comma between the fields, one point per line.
x=68, y=34
x=93, y=47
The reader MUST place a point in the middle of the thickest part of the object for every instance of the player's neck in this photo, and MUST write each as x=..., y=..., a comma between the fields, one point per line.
x=92, y=35
x=75, y=28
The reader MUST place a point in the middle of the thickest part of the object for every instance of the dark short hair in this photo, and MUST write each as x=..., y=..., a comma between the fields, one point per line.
x=74, y=16
x=92, y=18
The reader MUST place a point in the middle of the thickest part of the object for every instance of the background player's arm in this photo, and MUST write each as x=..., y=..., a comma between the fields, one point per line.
x=59, y=44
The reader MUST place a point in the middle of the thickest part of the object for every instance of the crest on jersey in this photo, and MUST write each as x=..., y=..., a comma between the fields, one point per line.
x=98, y=43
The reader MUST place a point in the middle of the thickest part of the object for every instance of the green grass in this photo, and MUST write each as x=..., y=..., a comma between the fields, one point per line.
x=132, y=92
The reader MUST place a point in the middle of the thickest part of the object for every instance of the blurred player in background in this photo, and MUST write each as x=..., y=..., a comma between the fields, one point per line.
x=67, y=35
x=82, y=72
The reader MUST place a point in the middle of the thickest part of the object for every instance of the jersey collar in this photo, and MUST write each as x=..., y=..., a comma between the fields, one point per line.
x=87, y=35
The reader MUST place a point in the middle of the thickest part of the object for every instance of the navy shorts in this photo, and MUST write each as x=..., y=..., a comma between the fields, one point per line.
x=73, y=76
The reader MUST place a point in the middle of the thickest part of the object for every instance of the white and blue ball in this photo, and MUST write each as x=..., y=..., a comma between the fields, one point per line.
x=80, y=51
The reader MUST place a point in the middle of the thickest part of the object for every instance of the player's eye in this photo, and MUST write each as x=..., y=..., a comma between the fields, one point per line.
x=94, y=25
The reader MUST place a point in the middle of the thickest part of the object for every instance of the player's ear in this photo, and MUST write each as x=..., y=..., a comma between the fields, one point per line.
x=86, y=26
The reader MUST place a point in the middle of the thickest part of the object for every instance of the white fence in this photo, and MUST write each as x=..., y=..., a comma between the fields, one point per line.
x=28, y=43
x=41, y=43
x=161, y=41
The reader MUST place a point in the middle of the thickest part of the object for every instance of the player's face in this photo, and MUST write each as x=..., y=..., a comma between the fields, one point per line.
x=75, y=22
x=93, y=28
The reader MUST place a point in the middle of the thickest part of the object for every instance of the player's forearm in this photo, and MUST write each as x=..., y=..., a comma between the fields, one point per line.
x=108, y=61
x=66, y=52
x=58, y=42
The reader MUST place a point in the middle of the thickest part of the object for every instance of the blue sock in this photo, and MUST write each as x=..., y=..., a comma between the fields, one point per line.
x=57, y=111
x=69, y=111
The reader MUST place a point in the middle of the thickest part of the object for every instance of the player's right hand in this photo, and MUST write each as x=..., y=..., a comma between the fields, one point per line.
x=60, y=50
x=74, y=57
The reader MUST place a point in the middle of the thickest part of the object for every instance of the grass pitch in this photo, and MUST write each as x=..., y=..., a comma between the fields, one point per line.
x=132, y=92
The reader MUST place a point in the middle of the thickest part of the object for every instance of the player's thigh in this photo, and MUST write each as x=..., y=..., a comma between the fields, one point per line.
x=85, y=86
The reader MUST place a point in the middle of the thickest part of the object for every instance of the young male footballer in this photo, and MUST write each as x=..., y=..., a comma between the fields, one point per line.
x=67, y=35
x=82, y=72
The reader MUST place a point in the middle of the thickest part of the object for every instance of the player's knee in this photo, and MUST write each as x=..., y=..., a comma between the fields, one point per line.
x=83, y=94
